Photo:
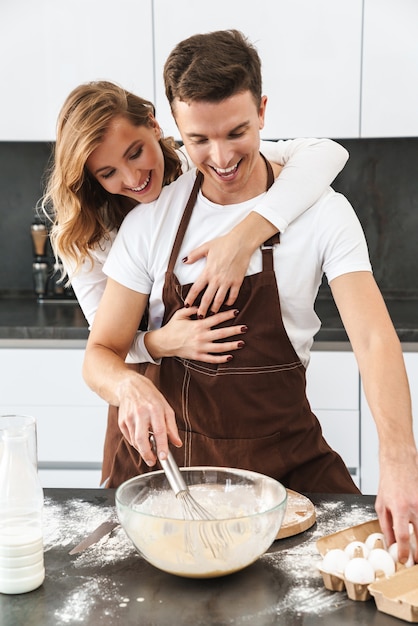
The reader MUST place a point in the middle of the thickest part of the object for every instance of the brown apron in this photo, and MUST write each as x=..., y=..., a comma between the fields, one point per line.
x=251, y=412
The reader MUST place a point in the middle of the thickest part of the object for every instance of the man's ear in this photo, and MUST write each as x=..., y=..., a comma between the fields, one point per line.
x=262, y=111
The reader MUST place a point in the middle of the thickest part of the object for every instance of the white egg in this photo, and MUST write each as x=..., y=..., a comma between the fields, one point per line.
x=382, y=561
x=356, y=549
x=393, y=551
x=334, y=561
x=375, y=540
x=360, y=571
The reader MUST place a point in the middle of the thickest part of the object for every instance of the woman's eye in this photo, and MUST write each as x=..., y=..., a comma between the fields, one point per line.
x=108, y=174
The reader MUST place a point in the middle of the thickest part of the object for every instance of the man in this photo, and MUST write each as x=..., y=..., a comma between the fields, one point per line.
x=251, y=412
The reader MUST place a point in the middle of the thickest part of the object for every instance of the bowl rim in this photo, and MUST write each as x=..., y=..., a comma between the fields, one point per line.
x=234, y=470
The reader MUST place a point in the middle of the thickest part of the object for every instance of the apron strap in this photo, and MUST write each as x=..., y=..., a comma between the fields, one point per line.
x=270, y=180
x=184, y=222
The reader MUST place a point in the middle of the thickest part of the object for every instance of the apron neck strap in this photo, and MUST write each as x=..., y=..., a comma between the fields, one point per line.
x=184, y=222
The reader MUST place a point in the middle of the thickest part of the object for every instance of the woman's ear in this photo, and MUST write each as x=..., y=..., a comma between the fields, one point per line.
x=156, y=127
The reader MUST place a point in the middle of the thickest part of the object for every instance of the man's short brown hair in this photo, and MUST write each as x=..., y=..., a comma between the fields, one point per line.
x=211, y=67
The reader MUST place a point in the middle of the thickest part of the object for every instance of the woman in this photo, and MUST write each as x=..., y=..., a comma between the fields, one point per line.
x=88, y=197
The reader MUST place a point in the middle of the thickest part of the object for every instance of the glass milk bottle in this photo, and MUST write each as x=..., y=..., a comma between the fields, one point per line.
x=21, y=503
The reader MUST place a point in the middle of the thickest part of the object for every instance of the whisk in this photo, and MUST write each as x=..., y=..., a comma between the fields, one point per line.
x=191, y=508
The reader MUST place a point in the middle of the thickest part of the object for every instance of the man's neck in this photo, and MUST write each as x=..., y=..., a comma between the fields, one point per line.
x=255, y=186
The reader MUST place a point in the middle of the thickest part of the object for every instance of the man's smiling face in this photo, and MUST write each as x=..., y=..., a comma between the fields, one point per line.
x=223, y=140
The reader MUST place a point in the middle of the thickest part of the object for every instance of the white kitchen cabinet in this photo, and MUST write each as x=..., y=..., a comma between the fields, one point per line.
x=333, y=388
x=71, y=419
x=310, y=52
x=390, y=69
x=369, y=439
x=48, y=47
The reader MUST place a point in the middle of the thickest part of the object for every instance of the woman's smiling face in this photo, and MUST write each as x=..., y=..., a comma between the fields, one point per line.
x=129, y=161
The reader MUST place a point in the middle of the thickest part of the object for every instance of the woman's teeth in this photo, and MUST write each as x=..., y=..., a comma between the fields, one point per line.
x=141, y=187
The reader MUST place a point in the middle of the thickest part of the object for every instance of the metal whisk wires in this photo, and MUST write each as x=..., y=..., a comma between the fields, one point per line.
x=192, y=510
x=211, y=531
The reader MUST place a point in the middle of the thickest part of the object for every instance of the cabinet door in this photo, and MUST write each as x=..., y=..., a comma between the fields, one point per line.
x=48, y=47
x=390, y=69
x=310, y=52
x=333, y=391
x=369, y=439
x=71, y=419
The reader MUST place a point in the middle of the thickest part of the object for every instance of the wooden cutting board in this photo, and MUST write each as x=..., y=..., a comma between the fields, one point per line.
x=300, y=515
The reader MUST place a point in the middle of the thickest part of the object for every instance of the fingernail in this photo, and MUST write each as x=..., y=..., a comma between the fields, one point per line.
x=162, y=456
x=229, y=358
x=241, y=344
x=200, y=317
x=186, y=305
x=185, y=259
x=211, y=313
x=244, y=329
x=236, y=312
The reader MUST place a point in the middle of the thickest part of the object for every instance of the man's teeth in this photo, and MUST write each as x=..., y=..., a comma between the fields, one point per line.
x=228, y=170
x=144, y=184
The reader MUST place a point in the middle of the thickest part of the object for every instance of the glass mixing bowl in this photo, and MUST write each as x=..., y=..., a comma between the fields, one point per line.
x=248, y=510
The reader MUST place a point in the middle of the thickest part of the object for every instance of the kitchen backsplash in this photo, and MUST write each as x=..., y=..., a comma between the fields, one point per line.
x=380, y=180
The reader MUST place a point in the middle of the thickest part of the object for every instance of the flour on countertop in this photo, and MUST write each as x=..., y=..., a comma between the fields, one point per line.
x=66, y=524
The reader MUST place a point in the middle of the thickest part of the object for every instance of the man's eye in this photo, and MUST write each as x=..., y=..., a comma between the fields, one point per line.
x=237, y=135
x=136, y=154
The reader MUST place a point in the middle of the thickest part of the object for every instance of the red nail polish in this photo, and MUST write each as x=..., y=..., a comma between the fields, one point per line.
x=241, y=344
x=185, y=259
x=186, y=305
x=229, y=358
x=200, y=317
x=236, y=312
x=244, y=329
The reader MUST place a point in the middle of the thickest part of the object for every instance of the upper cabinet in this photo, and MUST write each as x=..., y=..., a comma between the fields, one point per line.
x=48, y=47
x=331, y=68
x=390, y=69
x=310, y=52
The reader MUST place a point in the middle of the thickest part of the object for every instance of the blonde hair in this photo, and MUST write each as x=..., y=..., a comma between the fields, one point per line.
x=82, y=213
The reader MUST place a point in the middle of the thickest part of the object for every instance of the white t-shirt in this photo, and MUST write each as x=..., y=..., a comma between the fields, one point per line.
x=327, y=238
x=309, y=166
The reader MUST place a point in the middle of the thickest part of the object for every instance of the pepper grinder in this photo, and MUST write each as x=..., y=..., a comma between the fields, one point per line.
x=39, y=239
x=40, y=266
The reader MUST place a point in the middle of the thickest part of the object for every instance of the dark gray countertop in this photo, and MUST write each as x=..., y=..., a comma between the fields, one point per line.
x=111, y=584
x=25, y=318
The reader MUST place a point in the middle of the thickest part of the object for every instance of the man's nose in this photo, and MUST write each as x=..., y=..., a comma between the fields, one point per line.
x=221, y=154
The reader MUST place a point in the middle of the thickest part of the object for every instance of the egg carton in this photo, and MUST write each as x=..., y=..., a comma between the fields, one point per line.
x=395, y=595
